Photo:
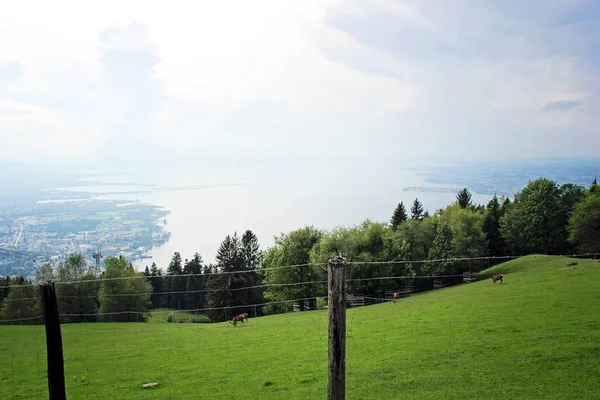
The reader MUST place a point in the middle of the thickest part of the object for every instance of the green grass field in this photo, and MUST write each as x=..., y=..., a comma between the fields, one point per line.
x=537, y=335
x=160, y=315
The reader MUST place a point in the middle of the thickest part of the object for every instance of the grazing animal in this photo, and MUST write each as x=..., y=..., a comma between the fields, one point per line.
x=396, y=297
x=239, y=318
x=497, y=278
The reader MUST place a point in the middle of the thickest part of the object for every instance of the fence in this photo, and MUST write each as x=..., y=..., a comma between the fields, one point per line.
x=478, y=341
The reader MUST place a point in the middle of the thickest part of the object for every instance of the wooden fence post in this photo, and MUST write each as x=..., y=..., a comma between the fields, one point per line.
x=54, y=349
x=336, y=384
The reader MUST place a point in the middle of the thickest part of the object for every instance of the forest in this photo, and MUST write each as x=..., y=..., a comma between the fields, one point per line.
x=543, y=218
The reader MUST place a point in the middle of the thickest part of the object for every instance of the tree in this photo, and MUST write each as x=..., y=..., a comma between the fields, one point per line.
x=175, y=283
x=491, y=228
x=292, y=249
x=416, y=211
x=194, y=295
x=229, y=288
x=251, y=256
x=399, y=216
x=536, y=221
x=77, y=295
x=5, y=284
x=463, y=198
x=22, y=305
x=594, y=186
x=584, y=224
x=416, y=238
x=468, y=238
x=365, y=244
x=157, y=282
x=175, y=266
x=44, y=274
x=123, y=300
x=440, y=251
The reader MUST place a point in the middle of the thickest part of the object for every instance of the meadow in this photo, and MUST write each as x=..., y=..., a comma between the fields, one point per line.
x=536, y=335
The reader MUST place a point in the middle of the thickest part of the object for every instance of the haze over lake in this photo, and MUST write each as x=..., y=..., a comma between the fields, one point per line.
x=207, y=204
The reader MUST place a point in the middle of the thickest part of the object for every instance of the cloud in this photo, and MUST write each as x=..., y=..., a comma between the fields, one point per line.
x=11, y=71
x=26, y=129
x=310, y=80
x=132, y=94
x=561, y=105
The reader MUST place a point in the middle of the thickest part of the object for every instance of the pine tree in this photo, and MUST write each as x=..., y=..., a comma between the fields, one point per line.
x=175, y=267
x=194, y=296
x=416, y=211
x=252, y=258
x=157, y=281
x=491, y=228
x=399, y=216
x=227, y=291
x=594, y=186
x=175, y=283
x=463, y=198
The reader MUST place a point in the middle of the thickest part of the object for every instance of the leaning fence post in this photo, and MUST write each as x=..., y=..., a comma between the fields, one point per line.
x=336, y=384
x=54, y=349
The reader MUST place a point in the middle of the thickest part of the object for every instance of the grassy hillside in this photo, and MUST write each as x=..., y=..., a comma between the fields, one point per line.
x=537, y=335
x=160, y=315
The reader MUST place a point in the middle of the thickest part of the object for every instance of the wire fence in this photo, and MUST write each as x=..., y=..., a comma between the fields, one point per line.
x=534, y=335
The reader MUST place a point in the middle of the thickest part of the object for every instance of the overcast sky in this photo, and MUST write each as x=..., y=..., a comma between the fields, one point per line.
x=269, y=80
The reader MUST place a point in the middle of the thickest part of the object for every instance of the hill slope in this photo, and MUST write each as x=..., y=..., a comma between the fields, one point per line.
x=536, y=335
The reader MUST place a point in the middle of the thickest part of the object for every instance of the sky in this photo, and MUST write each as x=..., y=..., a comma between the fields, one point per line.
x=416, y=81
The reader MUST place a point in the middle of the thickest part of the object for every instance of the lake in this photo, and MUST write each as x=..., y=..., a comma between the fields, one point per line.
x=208, y=203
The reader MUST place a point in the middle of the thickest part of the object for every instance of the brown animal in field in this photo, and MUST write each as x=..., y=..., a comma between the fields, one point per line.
x=497, y=278
x=572, y=263
x=239, y=318
x=396, y=297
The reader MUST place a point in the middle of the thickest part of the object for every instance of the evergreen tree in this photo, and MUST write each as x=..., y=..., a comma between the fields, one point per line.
x=251, y=255
x=147, y=272
x=157, y=281
x=416, y=211
x=463, y=198
x=194, y=296
x=594, y=186
x=399, y=216
x=175, y=266
x=175, y=283
x=227, y=290
x=220, y=296
x=491, y=228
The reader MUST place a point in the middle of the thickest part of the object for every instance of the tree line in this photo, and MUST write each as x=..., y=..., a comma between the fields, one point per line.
x=543, y=217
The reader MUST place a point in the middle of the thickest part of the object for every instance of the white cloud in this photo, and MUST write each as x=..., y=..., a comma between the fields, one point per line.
x=26, y=129
x=273, y=77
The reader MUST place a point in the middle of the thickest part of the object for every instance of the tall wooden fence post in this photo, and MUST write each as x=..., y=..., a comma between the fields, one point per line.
x=336, y=384
x=54, y=349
